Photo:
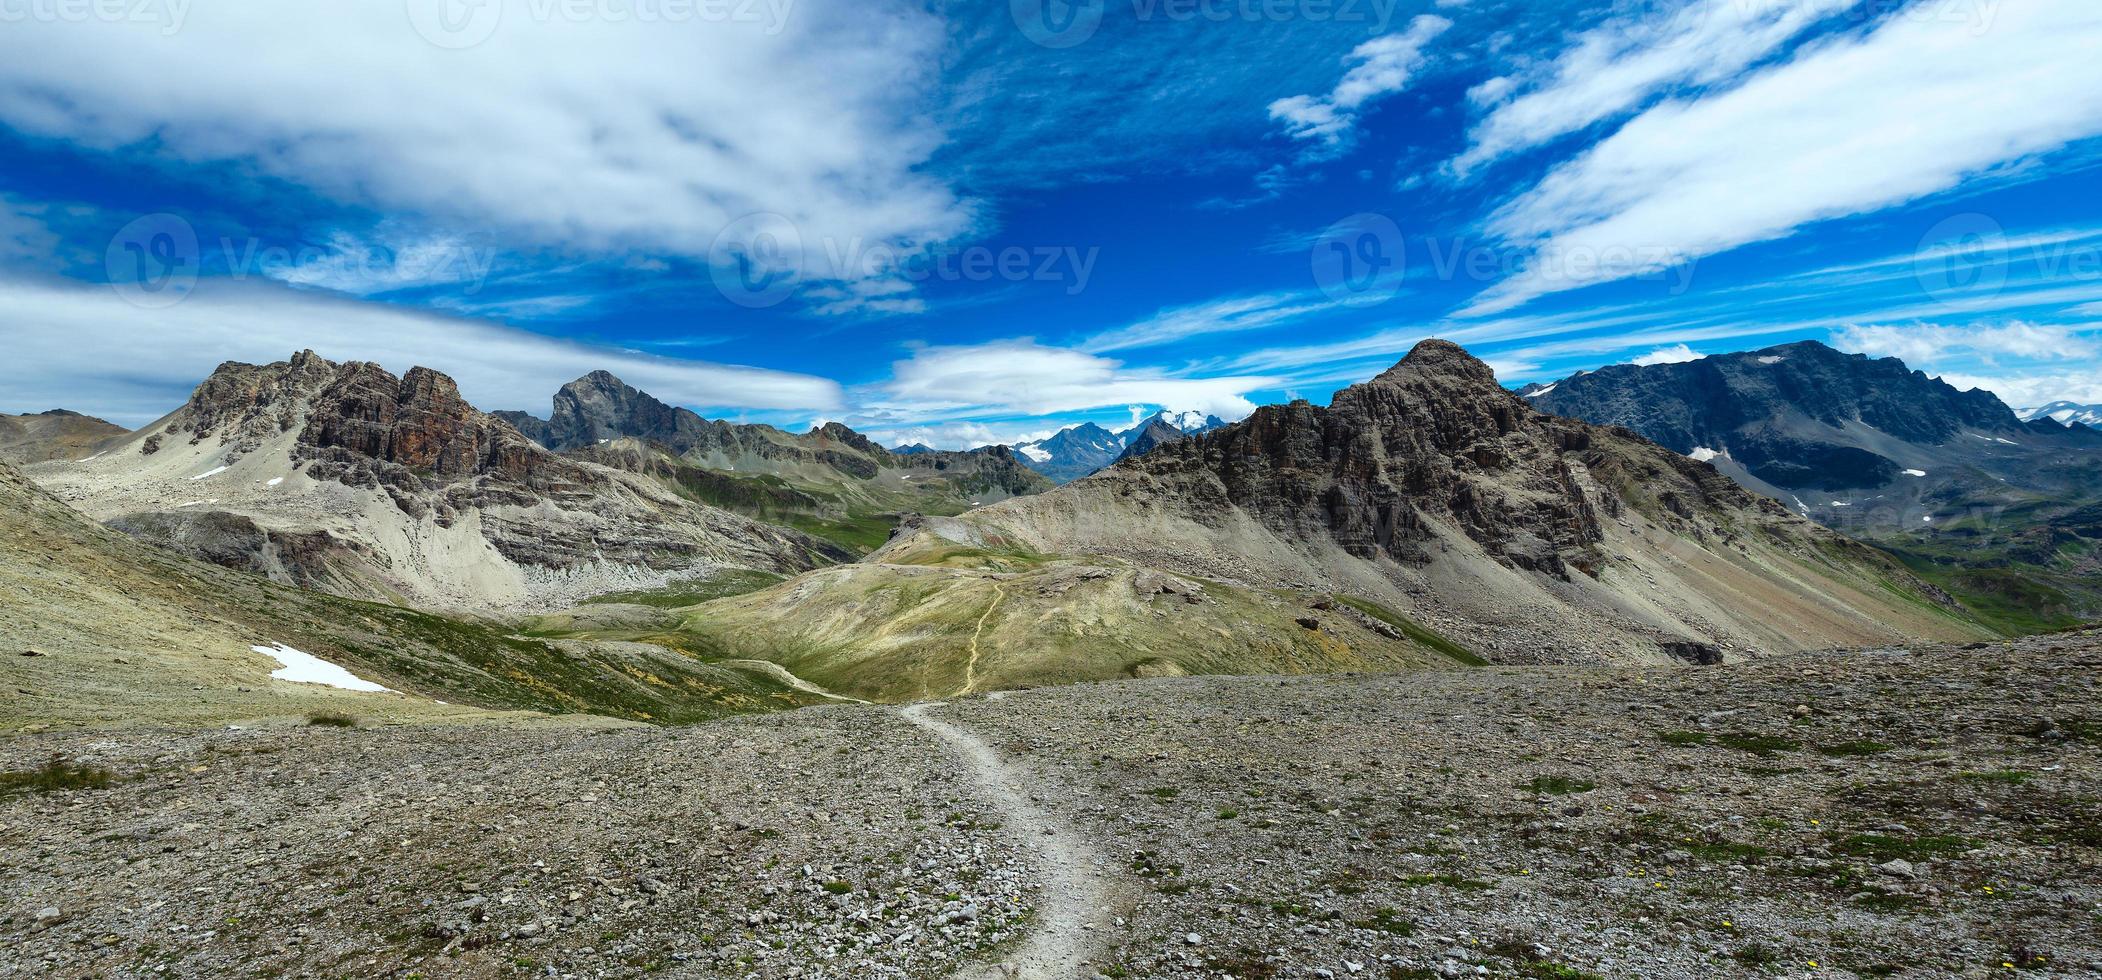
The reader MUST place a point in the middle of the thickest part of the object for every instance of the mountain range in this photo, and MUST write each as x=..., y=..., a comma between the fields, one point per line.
x=1427, y=514
x=831, y=481
x=2065, y=413
x=1970, y=494
x=1077, y=451
x=1427, y=517
x=347, y=479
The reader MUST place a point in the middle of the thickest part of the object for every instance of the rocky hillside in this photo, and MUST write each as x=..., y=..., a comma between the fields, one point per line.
x=1909, y=813
x=56, y=434
x=345, y=478
x=1428, y=502
x=833, y=482
x=1952, y=480
x=101, y=630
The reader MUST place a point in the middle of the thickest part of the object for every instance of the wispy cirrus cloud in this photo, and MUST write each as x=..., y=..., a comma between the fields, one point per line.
x=1236, y=314
x=1019, y=377
x=1614, y=68
x=1838, y=130
x=1930, y=344
x=585, y=132
x=1377, y=68
x=83, y=347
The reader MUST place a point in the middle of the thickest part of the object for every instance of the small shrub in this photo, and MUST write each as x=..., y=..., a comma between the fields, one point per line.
x=1684, y=738
x=330, y=719
x=58, y=774
x=1559, y=785
x=838, y=887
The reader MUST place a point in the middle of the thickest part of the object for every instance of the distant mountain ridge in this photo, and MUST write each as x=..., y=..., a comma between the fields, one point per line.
x=56, y=434
x=1079, y=450
x=2066, y=413
x=831, y=481
x=1954, y=480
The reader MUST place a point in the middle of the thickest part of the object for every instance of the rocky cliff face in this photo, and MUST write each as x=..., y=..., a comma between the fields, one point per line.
x=1434, y=443
x=343, y=476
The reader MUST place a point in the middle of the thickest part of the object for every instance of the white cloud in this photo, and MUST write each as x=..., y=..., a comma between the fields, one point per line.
x=2032, y=389
x=1229, y=315
x=1613, y=68
x=1378, y=68
x=84, y=348
x=959, y=435
x=1849, y=126
x=1921, y=345
x=601, y=132
x=1012, y=378
x=1675, y=354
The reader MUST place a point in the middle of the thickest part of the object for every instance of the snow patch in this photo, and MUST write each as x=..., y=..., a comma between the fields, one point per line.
x=1704, y=454
x=2006, y=442
x=210, y=472
x=1841, y=503
x=1037, y=453
x=305, y=668
x=1543, y=391
x=1772, y=359
x=1915, y=472
x=274, y=481
x=193, y=503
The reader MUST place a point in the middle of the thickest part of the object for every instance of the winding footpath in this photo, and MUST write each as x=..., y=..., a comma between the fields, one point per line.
x=970, y=667
x=1079, y=897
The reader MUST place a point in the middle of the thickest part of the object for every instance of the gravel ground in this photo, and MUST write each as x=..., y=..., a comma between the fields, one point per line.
x=1936, y=812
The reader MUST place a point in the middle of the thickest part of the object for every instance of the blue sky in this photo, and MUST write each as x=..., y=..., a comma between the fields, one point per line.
x=972, y=223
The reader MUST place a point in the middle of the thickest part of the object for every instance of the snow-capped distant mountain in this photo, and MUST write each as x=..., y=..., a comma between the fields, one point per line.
x=1188, y=423
x=2065, y=413
x=1085, y=448
x=1072, y=453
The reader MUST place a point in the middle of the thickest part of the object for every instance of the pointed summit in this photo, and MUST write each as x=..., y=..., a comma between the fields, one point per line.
x=1441, y=358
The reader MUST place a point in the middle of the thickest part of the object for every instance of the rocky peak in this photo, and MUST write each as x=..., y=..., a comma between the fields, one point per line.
x=418, y=421
x=839, y=433
x=600, y=406
x=1432, y=441
x=1156, y=433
